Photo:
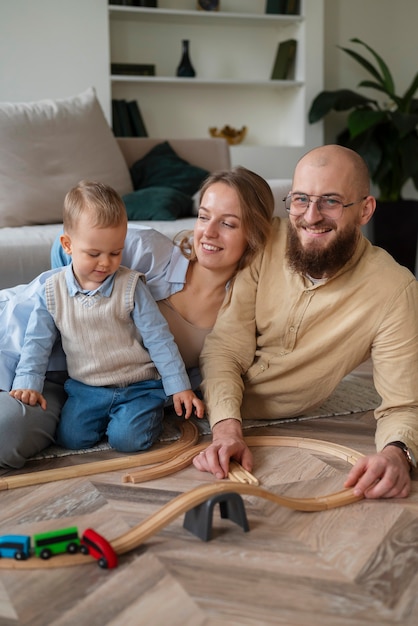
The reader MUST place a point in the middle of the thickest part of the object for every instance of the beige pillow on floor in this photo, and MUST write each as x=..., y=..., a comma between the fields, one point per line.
x=47, y=147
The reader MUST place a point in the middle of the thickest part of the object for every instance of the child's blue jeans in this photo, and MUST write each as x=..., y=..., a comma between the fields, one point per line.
x=131, y=417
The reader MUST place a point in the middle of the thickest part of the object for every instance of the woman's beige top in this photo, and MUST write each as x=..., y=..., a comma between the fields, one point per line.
x=189, y=338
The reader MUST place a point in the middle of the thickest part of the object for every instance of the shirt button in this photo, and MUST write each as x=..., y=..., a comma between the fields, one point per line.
x=292, y=329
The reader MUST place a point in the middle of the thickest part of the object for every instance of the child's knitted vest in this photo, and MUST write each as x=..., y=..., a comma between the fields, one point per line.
x=100, y=340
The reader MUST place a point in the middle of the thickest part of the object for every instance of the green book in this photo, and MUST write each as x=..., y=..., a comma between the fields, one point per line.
x=116, y=125
x=124, y=119
x=276, y=6
x=137, y=123
x=285, y=60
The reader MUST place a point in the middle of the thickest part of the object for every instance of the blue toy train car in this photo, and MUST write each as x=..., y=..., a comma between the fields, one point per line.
x=53, y=542
x=15, y=547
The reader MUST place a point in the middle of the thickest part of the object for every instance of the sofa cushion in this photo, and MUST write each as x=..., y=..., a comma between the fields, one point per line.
x=157, y=203
x=162, y=167
x=47, y=147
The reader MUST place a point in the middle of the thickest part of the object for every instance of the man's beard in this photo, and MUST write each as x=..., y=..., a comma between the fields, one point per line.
x=321, y=262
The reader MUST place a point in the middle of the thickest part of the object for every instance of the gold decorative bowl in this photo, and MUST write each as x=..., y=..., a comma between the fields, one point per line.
x=232, y=135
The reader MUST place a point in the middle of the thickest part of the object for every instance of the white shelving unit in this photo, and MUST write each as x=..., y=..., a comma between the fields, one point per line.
x=222, y=82
x=233, y=53
x=182, y=16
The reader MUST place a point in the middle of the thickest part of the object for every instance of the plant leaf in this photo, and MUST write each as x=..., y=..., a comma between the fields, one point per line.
x=415, y=181
x=409, y=94
x=366, y=145
x=340, y=100
x=405, y=123
x=364, y=62
x=408, y=152
x=386, y=78
x=361, y=120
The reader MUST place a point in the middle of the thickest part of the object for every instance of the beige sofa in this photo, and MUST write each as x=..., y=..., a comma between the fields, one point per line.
x=24, y=250
x=43, y=156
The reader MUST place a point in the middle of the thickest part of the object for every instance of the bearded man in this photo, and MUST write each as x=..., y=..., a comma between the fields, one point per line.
x=319, y=301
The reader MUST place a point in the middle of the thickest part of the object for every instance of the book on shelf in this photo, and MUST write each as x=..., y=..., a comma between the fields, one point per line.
x=135, y=3
x=121, y=120
x=132, y=69
x=284, y=63
x=137, y=122
x=116, y=125
x=127, y=120
x=276, y=6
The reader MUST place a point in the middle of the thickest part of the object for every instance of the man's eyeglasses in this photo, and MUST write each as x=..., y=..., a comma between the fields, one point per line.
x=330, y=206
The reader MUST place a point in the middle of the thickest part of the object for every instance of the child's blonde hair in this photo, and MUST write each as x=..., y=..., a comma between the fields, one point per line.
x=102, y=203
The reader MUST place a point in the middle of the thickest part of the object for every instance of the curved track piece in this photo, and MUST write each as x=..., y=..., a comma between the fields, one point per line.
x=333, y=449
x=184, y=459
x=175, y=464
x=189, y=436
x=185, y=501
x=181, y=504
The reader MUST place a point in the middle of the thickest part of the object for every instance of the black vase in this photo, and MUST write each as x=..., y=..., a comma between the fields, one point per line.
x=185, y=68
x=395, y=228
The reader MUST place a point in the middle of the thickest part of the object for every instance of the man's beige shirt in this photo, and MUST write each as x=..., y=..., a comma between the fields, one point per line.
x=289, y=343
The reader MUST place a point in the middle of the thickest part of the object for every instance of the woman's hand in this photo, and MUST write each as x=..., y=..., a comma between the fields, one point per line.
x=227, y=443
x=29, y=396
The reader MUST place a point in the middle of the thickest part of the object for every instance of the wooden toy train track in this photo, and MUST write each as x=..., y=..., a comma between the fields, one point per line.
x=168, y=460
x=189, y=436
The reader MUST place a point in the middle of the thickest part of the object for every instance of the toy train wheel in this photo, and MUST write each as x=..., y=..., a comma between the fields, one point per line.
x=45, y=554
x=102, y=563
x=83, y=549
x=72, y=548
x=20, y=556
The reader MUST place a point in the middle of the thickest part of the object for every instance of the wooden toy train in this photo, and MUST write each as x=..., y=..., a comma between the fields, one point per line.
x=68, y=540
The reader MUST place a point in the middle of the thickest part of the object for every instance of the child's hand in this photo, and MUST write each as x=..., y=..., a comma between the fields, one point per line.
x=29, y=396
x=189, y=399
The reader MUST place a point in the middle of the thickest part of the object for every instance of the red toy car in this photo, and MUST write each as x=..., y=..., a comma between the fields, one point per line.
x=98, y=547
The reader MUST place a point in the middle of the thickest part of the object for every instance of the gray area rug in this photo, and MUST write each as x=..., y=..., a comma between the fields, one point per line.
x=354, y=394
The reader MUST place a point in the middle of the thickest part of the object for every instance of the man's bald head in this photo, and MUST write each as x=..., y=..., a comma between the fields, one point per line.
x=351, y=162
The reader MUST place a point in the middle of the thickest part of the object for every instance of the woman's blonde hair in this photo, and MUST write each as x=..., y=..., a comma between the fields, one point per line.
x=257, y=205
x=102, y=203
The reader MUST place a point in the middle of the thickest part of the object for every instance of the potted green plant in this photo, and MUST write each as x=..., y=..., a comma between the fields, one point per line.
x=385, y=134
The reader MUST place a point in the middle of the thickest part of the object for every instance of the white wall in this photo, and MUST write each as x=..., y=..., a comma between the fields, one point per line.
x=53, y=49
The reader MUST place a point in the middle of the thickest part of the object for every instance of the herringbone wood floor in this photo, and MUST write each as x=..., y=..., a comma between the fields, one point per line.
x=354, y=565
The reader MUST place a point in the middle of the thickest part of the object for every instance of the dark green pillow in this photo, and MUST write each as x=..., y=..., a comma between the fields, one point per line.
x=157, y=203
x=162, y=167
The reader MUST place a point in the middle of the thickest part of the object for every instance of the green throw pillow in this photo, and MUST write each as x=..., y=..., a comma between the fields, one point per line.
x=157, y=203
x=162, y=167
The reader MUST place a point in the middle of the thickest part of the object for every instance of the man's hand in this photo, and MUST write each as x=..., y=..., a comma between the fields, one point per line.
x=227, y=443
x=381, y=475
x=29, y=396
x=190, y=400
